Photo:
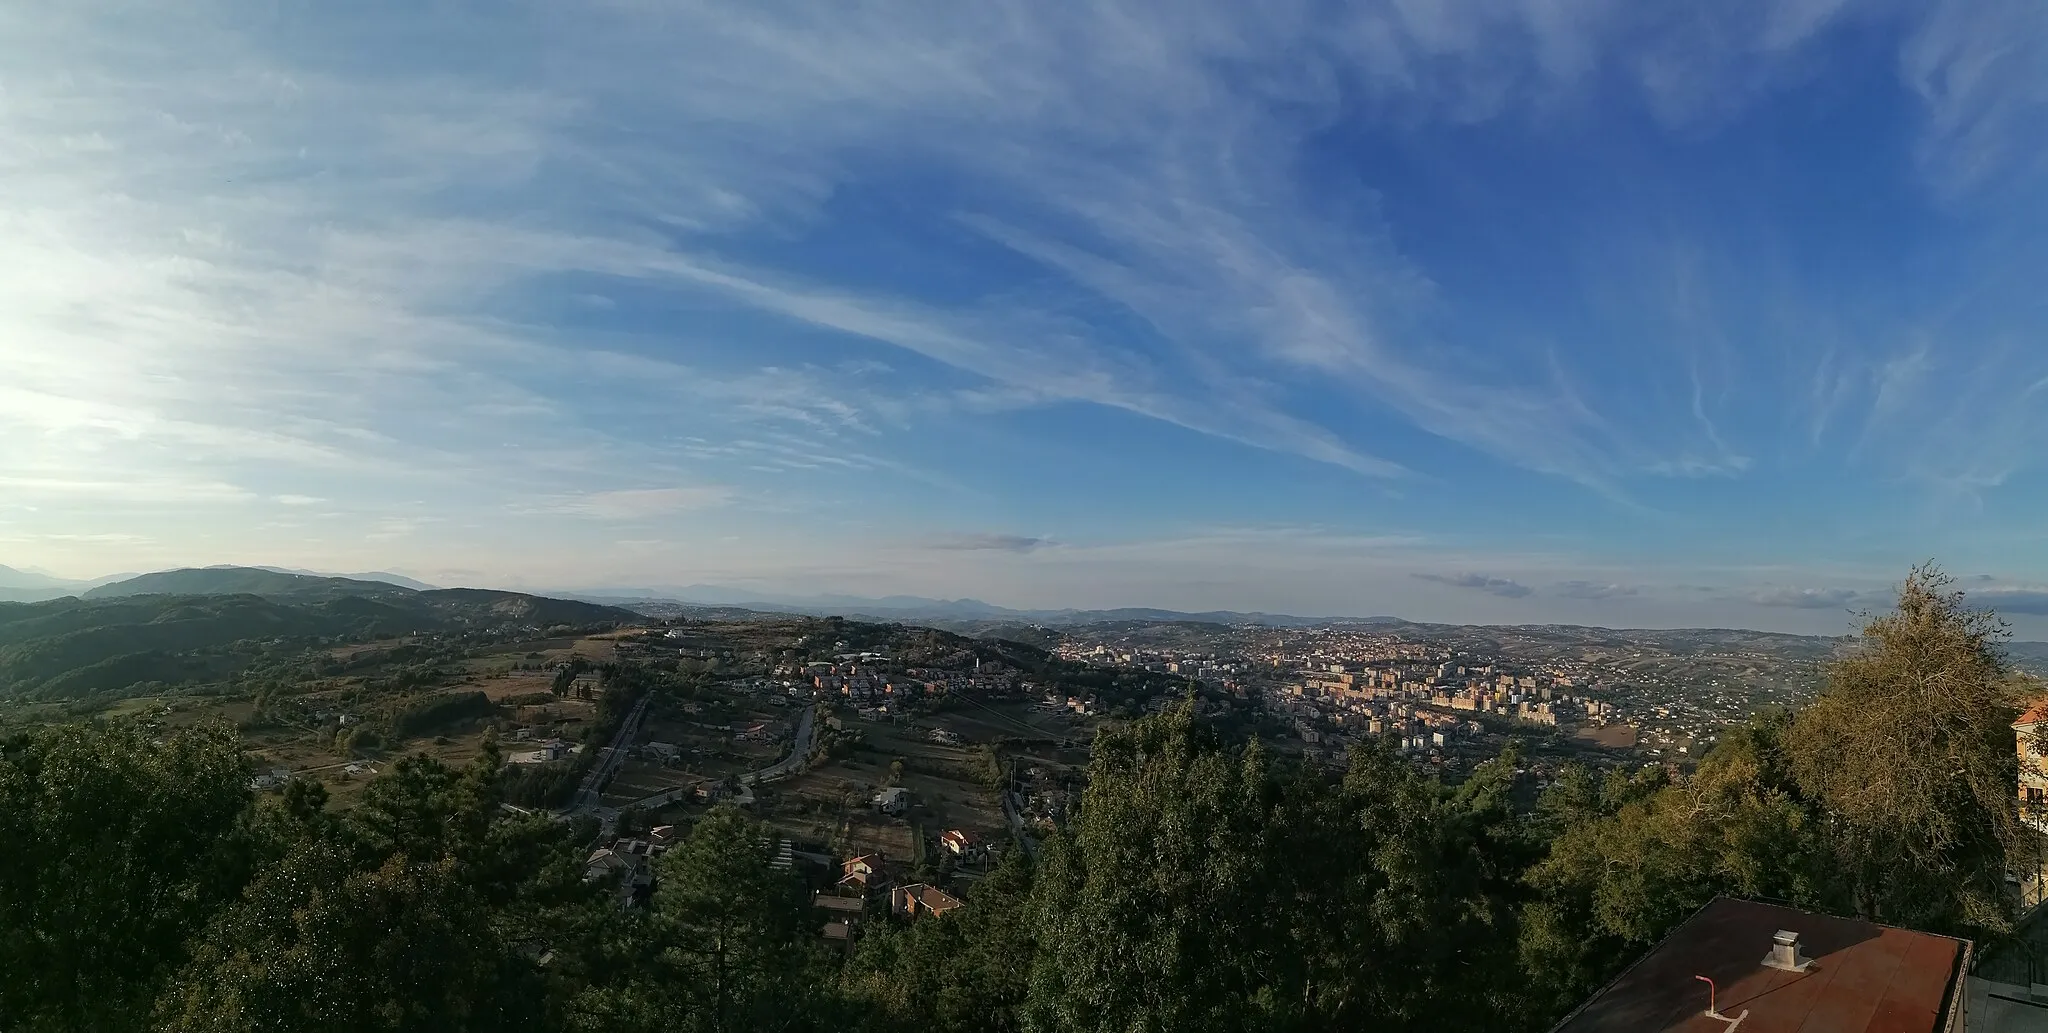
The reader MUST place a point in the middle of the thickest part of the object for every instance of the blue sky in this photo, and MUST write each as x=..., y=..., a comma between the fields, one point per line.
x=1550, y=310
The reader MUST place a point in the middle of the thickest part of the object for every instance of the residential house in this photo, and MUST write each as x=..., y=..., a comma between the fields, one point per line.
x=550, y=751
x=918, y=899
x=843, y=914
x=275, y=778
x=962, y=844
x=603, y=863
x=2033, y=775
x=861, y=874
x=893, y=801
x=626, y=864
x=2032, y=793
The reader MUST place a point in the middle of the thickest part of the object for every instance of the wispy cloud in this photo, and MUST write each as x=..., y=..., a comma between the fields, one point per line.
x=642, y=503
x=1805, y=598
x=1980, y=68
x=988, y=543
x=1500, y=586
x=1592, y=590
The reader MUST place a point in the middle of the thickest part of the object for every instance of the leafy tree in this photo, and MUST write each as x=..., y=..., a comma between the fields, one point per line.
x=321, y=945
x=1910, y=753
x=410, y=912
x=1202, y=890
x=728, y=944
x=1402, y=898
x=1149, y=915
x=1631, y=858
x=113, y=847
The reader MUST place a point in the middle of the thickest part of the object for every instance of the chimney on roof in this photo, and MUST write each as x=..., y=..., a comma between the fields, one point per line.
x=1786, y=954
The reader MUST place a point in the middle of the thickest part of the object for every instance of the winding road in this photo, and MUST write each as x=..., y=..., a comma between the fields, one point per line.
x=590, y=797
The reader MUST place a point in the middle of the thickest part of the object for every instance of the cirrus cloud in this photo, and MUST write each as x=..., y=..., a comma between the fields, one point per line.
x=988, y=543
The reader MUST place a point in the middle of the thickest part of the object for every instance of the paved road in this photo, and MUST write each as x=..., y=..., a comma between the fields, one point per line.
x=1017, y=824
x=799, y=749
x=591, y=794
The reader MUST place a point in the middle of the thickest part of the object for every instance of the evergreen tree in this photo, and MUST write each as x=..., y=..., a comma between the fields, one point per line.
x=963, y=972
x=113, y=848
x=727, y=946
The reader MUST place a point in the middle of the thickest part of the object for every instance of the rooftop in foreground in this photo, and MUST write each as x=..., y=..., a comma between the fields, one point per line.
x=1862, y=978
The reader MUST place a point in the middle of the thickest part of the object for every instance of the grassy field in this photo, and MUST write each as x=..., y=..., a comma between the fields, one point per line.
x=832, y=802
x=830, y=806
x=640, y=779
x=975, y=722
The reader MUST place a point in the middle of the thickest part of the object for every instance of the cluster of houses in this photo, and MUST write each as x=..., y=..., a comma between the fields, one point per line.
x=1082, y=706
x=869, y=882
x=871, y=681
x=630, y=862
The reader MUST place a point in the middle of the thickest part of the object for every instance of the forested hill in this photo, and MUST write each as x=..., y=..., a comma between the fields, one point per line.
x=68, y=648
x=244, y=580
x=463, y=606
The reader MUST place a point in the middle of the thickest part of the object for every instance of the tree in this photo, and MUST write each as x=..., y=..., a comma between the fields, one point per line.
x=410, y=912
x=1202, y=889
x=728, y=944
x=1910, y=754
x=1632, y=857
x=964, y=972
x=1148, y=915
x=113, y=847
x=1403, y=899
x=322, y=946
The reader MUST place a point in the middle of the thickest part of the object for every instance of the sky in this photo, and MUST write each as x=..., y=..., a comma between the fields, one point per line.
x=1575, y=311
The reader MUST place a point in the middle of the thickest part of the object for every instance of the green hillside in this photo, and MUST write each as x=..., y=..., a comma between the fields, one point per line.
x=71, y=647
x=243, y=581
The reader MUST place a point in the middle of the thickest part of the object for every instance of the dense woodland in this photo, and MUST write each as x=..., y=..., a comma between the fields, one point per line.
x=1204, y=884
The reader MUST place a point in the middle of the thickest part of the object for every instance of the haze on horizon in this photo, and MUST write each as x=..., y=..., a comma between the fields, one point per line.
x=1560, y=311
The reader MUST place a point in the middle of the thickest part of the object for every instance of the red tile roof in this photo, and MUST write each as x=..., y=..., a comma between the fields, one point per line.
x=2036, y=712
x=1865, y=978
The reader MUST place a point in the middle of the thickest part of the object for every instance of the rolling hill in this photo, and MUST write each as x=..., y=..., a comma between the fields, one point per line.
x=179, y=627
x=260, y=581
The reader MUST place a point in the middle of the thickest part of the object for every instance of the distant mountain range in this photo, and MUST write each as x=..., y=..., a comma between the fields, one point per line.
x=28, y=586
x=911, y=608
